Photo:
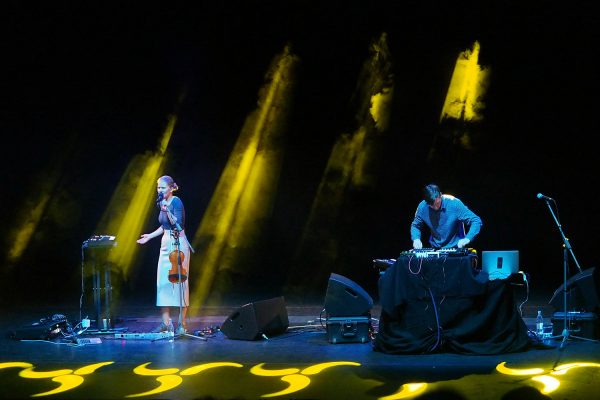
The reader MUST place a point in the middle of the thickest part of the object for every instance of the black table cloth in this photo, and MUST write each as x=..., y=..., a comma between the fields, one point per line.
x=447, y=304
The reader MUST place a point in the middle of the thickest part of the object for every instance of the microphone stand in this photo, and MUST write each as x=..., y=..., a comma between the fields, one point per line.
x=175, y=231
x=567, y=249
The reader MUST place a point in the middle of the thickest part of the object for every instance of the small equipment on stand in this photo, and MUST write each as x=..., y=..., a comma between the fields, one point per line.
x=101, y=283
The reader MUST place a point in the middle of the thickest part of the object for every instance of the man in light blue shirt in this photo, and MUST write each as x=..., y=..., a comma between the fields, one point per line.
x=446, y=217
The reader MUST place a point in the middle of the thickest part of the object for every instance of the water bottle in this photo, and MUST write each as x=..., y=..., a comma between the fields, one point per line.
x=539, y=324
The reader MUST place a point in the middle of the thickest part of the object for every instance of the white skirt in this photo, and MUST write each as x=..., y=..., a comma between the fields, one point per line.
x=170, y=294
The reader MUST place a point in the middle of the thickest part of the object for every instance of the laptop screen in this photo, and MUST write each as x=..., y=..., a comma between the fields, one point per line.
x=500, y=264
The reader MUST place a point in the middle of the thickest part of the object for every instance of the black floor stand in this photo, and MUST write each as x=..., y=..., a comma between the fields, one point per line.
x=567, y=249
x=104, y=323
x=566, y=333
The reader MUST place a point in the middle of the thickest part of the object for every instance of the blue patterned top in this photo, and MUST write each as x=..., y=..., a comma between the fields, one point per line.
x=177, y=210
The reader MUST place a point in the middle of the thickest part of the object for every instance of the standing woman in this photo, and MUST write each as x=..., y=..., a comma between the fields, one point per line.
x=171, y=218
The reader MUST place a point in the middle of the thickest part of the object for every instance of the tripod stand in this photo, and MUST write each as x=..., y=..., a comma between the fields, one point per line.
x=181, y=279
x=567, y=249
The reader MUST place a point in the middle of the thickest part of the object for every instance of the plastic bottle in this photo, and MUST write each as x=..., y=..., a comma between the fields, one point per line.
x=539, y=324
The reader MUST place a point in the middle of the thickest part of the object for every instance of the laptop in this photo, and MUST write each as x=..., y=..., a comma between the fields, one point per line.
x=500, y=264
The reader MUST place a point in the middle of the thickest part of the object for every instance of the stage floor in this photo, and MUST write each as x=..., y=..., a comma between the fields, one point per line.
x=298, y=364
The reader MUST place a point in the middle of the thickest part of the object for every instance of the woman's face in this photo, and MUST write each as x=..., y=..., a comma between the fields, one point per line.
x=164, y=188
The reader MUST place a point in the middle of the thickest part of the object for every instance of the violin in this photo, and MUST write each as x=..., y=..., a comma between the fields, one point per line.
x=174, y=276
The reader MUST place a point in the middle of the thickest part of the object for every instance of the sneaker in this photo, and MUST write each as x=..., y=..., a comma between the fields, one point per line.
x=163, y=328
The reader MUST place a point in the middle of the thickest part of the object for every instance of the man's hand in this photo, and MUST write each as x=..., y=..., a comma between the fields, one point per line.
x=417, y=244
x=463, y=242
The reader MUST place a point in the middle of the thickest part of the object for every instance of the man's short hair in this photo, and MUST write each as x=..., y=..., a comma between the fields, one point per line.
x=430, y=193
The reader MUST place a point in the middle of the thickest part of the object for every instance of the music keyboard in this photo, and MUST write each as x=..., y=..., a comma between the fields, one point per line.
x=99, y=241
x=437, y=253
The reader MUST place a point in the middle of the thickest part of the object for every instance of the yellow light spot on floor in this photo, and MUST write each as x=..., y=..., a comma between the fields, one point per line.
x=142, y=370
x=16, y=364
x=31, y=374
x=297, y=383
x=562, y=369
x=514, y=371
x=550, y=383
x=67, y=382
x=91, y=368
x=167, y=382
x=260, y=371
x=203, y=367
x=315, y=369
x=407, y=390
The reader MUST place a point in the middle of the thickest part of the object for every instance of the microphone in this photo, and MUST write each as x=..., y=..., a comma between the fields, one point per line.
x=159, y=198
x=541, y=196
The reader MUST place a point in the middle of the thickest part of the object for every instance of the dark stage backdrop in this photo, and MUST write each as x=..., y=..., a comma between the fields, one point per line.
x=87, y=88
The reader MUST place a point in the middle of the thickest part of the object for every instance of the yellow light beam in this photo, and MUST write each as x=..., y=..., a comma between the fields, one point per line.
x=467, y=88
x=352, y=166
x=135, y=215
x=244, y=195
x=133, y=200
x=37, y=203
x=24, y=233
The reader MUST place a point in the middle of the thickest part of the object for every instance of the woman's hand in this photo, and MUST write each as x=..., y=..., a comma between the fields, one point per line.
x=143, y=239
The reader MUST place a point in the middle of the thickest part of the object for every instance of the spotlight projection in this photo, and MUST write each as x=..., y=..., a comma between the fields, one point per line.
x=44, y=200
x=464, y=99
x=132, y=200
x=243, y=199
x=462, y=109
x=351, y=167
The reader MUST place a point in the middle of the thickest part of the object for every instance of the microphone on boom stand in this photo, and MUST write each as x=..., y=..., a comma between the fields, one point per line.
x=541, y=196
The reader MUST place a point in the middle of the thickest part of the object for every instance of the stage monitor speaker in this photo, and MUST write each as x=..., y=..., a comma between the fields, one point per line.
x=345, y=298
x=252, y=320
x=582, y=292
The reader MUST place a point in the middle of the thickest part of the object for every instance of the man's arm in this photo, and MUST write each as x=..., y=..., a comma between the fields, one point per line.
x=415, y=230
x=470, y=219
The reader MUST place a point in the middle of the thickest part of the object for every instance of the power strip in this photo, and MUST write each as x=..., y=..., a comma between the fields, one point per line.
x=94, y=340
x=144, y=336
